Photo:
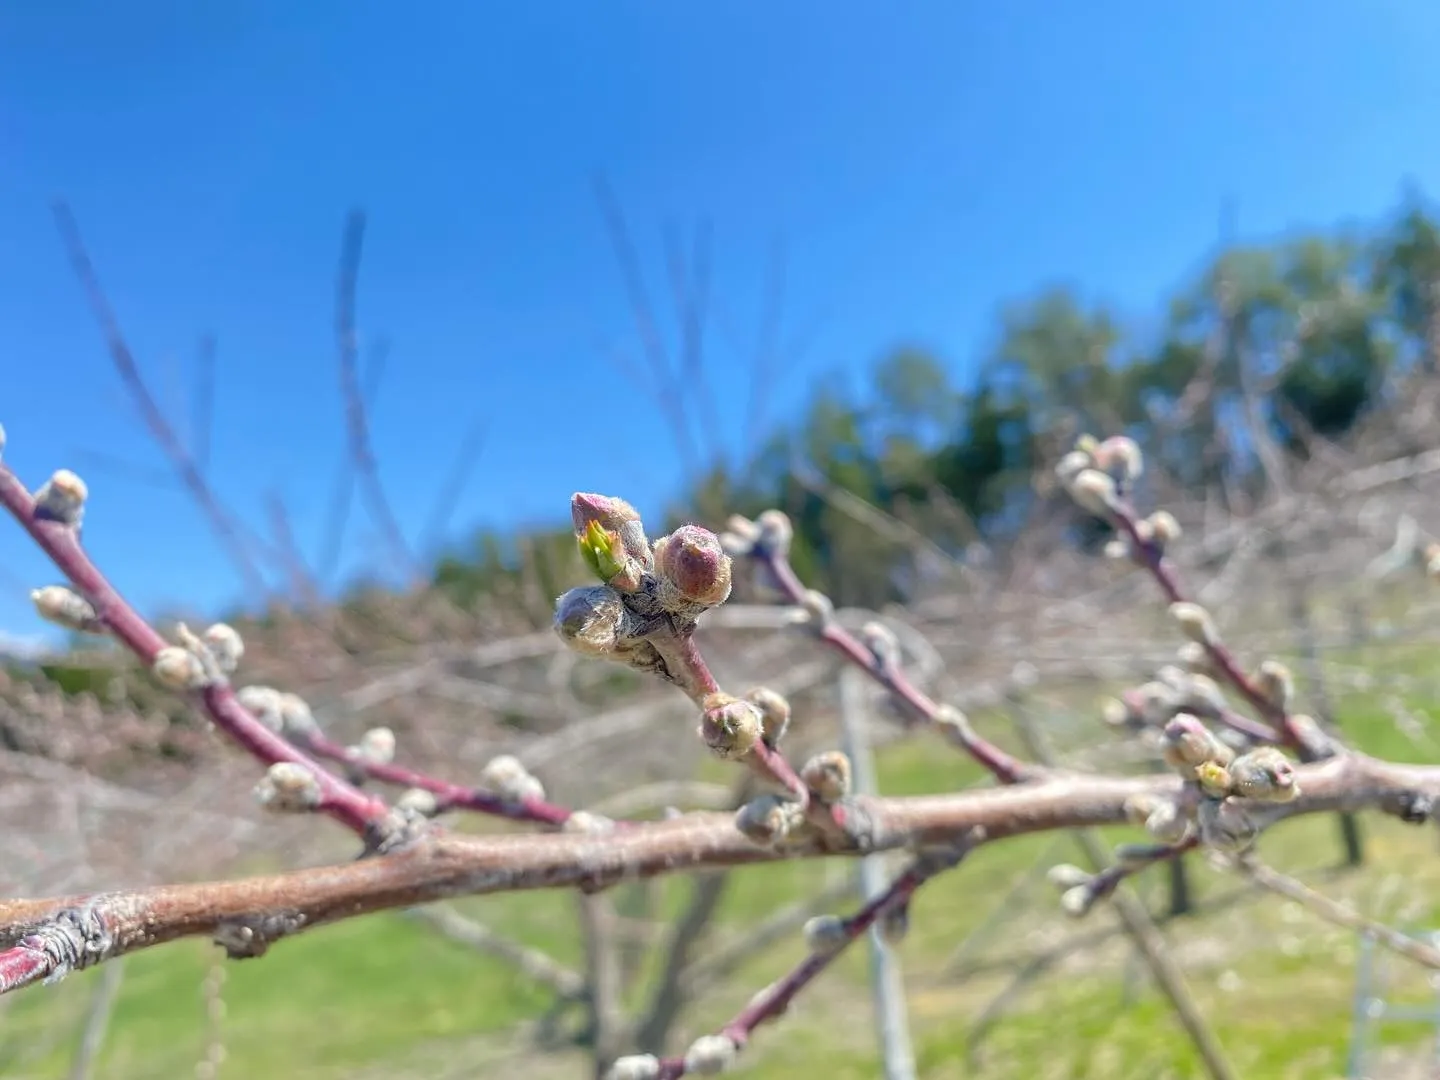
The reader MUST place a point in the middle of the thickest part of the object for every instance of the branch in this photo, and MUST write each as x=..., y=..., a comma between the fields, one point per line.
x=50, y=937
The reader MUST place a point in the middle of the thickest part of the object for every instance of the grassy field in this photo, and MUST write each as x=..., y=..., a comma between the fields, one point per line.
x=385, y=997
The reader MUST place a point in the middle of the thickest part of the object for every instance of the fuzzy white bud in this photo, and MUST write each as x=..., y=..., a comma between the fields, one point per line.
x=62, y=498
x=178, y=668
x=65, y=607
x=225, y=645
x=1068, y=876
x=377, y=746
x=825, y=934
x=634, y=1067
x=710, y=1055
x=418, y=801
x=1077, y=902
x=288, y=787
x=1094, y=491
x=1195, y=622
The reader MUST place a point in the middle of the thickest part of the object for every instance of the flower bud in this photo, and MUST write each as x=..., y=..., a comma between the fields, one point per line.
x=1167, y=823
x=418, y=801
x=65, y=607
x=1164, y=529
x=588, y=619
x=1120, y=456
x=611, y=538
x=774, y=713
x=768, y=819
x=225, y=646
x=1078, y=901
x=1276, y=683
x=377, y=746
x=774, y=532
x=729, y=726
x=1072, y=465
x=288, y=787
x=693, y=570
x=501, y=771
x=264, y=703
x=828, y=775
x=296, y=719
x=1189, y=743
x=1226, y=827
x=710, y=1055
x=1264, y=774
x=635, y=1067
x=1068, y=876
x=62, y=498
x=826, y=934
x=1195, y=622
x=1095, y=492
x=884, y=646
x=178, y=668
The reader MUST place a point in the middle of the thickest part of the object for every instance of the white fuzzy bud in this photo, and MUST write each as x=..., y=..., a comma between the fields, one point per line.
x=225, y=645
x=1195, y=622
x=774, y=532
x=1276, y=683
x=634, y=1067
x=884, y=646
x=178, y=668
x=1094, y=491
x=288, y=787
x=815, y=610
x=418, y=801
x=588, y=824
x=1072, y=465
x=264, y=702
x=1068, y=876
x=768, y=819
x=1078, y=901
x=296, y=719
x=710, y=1055
x=62, y=498
x=377, y=746
x=826, y=934
x=500, y=771
x=65, y=607
x=1164, y=529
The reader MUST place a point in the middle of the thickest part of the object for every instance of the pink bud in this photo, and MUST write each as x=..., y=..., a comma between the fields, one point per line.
x=693, y=569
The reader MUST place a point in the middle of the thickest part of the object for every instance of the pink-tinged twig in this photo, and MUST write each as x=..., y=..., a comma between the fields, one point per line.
x=685, y=659
x=337, y=799
x=448, y=796
x=1149, y=555
x=1005, y=767
x=772, y=1002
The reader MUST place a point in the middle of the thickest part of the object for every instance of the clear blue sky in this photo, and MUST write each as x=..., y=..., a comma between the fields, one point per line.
x=922, y=161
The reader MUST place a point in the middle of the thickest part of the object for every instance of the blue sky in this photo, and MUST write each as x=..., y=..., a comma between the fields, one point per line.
x=921, y=162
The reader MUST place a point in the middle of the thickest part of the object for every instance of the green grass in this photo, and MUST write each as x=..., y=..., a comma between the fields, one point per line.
x=382, y=996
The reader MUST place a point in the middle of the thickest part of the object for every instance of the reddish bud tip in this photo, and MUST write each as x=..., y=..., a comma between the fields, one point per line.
x=693, y=567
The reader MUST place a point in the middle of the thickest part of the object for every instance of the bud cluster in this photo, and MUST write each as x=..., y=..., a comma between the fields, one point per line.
x=644, y=588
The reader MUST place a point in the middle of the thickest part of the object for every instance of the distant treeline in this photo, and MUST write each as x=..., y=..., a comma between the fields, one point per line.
x=1266, y=349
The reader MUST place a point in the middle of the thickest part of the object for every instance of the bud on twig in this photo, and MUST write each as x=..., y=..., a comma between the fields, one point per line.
x=1095, y=492
x=693, y=570
x=768, y=819
x=178, y=668
x=225, y=645
x=588, y=619
x=62, y=498
x=1195, y=622
x=729, y=726
x=1265, y=775
x=635, y=1067
x=1276, y=683
x=288, y=787
x=826, y=934
x=828, y=775
x=710, y=1055
x=63, y=606
x=774, y=713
